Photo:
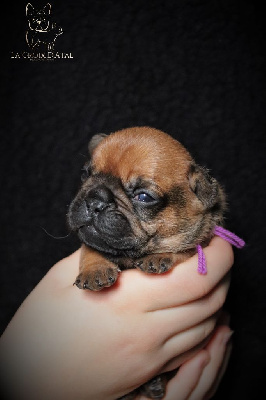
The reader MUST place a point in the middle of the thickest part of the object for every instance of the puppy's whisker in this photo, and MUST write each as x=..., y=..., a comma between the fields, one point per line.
x=83, y=155
x=55, y=237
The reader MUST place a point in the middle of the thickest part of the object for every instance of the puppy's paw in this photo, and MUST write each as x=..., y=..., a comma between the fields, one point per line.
x=155, y=263
x=154, y=388
x=97, y=279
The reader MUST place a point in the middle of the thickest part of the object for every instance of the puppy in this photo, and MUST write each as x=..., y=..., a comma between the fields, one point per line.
x=144, y=203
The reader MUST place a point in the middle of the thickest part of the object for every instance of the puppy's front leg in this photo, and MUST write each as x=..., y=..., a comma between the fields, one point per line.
x=95, y=271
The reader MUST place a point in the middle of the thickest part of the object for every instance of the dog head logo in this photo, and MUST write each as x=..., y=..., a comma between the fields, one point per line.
x=42, y=32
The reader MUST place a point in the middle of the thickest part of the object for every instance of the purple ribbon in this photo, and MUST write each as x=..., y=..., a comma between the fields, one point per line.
x=224, y=234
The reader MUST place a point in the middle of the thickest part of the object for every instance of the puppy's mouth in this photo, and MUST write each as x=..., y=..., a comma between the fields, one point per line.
x=107, y=231
x=117, y=245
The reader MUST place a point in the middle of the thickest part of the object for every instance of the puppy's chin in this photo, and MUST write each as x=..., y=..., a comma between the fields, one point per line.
x=108, y=244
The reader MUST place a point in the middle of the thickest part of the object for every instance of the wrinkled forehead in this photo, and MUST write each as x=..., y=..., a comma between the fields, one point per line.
x=151, y=155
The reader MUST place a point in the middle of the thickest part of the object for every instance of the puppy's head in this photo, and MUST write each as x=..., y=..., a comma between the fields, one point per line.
x=142, y=193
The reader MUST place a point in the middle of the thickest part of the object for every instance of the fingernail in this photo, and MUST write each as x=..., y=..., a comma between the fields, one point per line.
x=205, y=359
x=205, y=362
x=227, y=336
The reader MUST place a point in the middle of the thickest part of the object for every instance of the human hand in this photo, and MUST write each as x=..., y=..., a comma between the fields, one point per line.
x=65, y=343
x=199, y=377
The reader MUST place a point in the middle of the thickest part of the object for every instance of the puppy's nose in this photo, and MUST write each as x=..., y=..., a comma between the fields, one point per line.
x=99, y=198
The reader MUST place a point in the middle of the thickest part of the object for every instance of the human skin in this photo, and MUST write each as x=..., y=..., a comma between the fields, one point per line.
x=67, y=343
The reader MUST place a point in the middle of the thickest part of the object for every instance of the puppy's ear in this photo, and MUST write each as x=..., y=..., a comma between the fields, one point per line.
x=204, y=186
x=95, y=140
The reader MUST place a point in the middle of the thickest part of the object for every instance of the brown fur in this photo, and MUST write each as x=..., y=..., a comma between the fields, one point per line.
x=118, y=230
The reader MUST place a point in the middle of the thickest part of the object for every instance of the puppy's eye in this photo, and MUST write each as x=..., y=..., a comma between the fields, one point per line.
x=144, y=198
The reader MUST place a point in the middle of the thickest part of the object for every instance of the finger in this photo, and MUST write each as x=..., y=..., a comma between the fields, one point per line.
x=223, y=368
x=178, y=319
x=184, y=357
x=172, y=364
x=186, y=378
x=219, y=357
x=186, y=340
x=183, y=283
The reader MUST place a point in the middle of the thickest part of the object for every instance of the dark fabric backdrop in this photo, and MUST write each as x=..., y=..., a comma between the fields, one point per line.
x=195, y=69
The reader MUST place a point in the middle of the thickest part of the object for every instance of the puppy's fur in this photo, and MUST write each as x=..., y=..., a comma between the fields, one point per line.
x=144, y=203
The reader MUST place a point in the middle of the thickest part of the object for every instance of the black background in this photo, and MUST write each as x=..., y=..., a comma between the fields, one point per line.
x=195, y=69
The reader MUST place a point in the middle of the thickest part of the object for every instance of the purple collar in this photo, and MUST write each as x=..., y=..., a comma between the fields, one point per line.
x=224, y=234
